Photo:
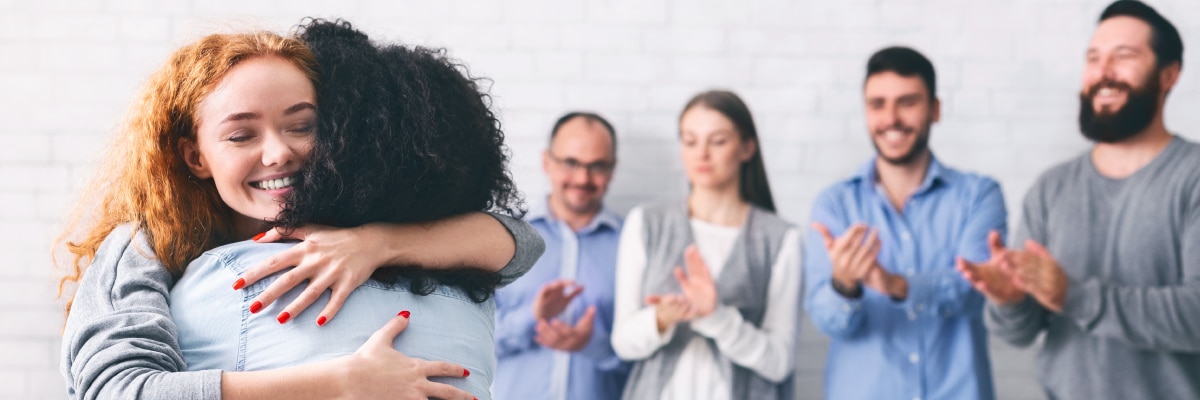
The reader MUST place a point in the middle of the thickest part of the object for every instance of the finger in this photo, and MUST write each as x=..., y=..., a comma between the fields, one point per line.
x=306, y=298
x=966, y=269
x=336, y=299
x=695, y=263
x=654, y=299
x=387, y=334
x=1036, y=248
x=441, y=368
x=271, y=265
x=585, y=323
x=995, y=243
x=575, y=291
x=681, y=277
x=852, y=238
x=286, y=282
x=436, y=390
x=270, y=236
x=826, y=236
x=862, y=258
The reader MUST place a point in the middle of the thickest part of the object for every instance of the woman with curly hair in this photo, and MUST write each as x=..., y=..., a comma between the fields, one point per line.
x=405, y=137
x=213, y=147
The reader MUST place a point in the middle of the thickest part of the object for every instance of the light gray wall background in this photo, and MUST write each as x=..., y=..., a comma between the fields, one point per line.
x=1008, y=73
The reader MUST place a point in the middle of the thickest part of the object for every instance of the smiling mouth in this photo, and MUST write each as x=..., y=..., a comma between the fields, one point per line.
x=274, y=184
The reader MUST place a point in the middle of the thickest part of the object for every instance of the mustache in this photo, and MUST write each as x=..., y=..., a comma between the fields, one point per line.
x=1107, y=84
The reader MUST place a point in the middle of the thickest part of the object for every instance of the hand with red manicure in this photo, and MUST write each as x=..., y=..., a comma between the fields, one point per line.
x=378, y=362
x=329, y=259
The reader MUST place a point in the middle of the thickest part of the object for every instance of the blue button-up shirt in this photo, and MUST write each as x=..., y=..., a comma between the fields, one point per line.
x=931, y=345
x=525, y=369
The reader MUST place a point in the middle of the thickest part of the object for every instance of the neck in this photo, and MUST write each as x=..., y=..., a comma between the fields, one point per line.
x=901, y=181
x=575, y=220
x=245, y=227
x=720, y=206
x=1122, y=159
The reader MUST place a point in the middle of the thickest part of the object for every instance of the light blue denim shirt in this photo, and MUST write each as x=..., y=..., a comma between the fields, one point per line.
x=217, y=330
x=931, y=345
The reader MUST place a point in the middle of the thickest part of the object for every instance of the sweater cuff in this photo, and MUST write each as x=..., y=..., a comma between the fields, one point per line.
x=1083, y=302
x=712, y=324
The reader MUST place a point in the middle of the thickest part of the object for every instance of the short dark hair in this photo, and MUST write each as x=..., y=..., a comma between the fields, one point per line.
x=587, y=116
x=404, y=135
x=1164, y=38
x=906, y=62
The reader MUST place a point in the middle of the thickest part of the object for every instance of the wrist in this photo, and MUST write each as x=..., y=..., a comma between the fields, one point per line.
x=897, y=287
x=853, y=291
x=385, y=237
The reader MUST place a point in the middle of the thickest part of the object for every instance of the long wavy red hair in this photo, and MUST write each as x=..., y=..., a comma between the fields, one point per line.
x=143, y=180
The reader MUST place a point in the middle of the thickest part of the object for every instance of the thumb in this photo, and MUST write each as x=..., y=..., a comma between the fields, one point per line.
x=586, y=322
x=1036, y=248
x=995, y=242
x=387, y=334
x=653, y=299
x=825, y=235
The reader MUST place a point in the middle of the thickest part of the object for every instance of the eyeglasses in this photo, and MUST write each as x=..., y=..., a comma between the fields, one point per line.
x=594, y=168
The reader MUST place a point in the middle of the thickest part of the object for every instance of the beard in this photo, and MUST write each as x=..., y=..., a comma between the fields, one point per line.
x=919, y=147
x=1141, y=105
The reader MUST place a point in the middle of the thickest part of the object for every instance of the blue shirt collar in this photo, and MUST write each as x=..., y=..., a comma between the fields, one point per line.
x=934, y=175
x=603, y=218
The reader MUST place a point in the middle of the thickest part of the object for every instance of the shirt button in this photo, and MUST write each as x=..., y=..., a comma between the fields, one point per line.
x=845, y=308
x=919, y=307
x=912, y=316
x=914, y=358
x=917, y=398
x=910, y=272
x=905, y=236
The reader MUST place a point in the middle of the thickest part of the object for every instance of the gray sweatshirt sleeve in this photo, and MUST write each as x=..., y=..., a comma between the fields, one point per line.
x=1154, y=318
x=529, y=247
x=120, y=341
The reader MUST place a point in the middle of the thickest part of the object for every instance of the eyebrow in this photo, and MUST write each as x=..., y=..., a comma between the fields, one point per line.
x=247, y=116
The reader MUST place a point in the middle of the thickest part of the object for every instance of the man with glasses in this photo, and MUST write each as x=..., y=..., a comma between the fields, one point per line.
x=553, y=325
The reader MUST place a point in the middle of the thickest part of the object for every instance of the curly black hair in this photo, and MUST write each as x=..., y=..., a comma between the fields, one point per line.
x=404, y=134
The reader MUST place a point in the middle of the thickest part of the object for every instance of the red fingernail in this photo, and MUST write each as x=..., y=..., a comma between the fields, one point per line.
x=466, y=373
x=239, y=284
x=284, y=317
x=259, y=236
x=404, y=314
x=321, y=321
x=255, y=307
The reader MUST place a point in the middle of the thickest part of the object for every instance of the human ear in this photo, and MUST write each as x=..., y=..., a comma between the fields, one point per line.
x=190, y=152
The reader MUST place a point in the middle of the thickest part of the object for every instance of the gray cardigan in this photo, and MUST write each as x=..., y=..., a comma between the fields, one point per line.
x=120, y=341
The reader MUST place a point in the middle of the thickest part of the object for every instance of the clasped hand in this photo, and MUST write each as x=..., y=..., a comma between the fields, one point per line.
x=699, y=297
x=855, y=261
x=1009, y=275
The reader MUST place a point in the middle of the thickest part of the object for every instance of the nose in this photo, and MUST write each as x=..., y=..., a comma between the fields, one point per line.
x=277, y=150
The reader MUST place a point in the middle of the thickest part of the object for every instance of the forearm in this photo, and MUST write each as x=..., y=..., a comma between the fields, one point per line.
x=941, y=294
x=1018, y=324
x=321, y=380
x=769, y=351
x=636, y=336
x=1148, y=318
x=472, y=240
x=831, y=313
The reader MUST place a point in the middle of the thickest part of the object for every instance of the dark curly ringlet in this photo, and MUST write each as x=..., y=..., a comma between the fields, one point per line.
x=403, y=135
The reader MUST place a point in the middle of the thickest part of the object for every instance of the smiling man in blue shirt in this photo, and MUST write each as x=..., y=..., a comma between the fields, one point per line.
x=879, y=262
x=553, y=325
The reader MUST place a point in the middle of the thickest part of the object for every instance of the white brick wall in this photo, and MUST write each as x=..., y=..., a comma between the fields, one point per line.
x=1009, y=72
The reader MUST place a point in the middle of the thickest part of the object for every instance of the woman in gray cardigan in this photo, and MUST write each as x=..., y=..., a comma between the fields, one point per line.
x=147, y=216
x=725, y=329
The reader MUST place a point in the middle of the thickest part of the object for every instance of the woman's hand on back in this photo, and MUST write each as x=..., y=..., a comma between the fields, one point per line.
x=335, y=259
x=378, y=371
